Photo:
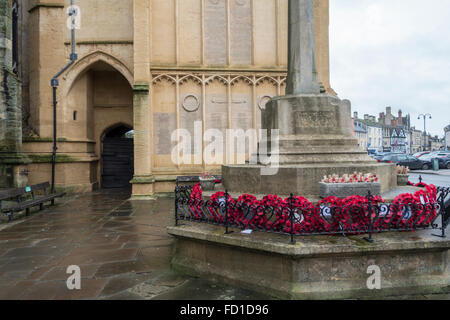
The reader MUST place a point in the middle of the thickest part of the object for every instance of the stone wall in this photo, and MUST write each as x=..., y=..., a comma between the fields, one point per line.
x=10, y=102
x=316, y=267
x=218, y=55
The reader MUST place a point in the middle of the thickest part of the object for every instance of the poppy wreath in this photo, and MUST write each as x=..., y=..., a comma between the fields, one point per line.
x=245, y=207
x=427, y=208
x=421, y=185
x=354, y=215
x=325, y=213
x=329, y=215
x=416, y=209
x=377, y=220
x=196, y=201
x=269, y=206
x=303, y=219
x=197, y=192
x=401, y=213
x=215, y=207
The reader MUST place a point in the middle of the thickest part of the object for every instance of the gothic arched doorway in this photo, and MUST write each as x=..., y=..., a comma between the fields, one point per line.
x=117, y=157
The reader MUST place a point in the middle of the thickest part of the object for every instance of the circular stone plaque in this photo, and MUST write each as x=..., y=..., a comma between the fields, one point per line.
x=191, y=103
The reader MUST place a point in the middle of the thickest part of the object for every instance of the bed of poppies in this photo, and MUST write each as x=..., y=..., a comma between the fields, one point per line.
x=297, y=215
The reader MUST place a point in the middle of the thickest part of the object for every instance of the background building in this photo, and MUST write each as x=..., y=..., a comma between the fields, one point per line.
x=416, y=140
x=374, y=132
x=436, y=143
x=396, y=131
x=389, y=134
x=150, y=66
x=360, y=133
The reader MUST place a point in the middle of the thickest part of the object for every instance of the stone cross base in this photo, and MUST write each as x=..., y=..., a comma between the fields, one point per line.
x=316, y=267
x=313, y=128
x=300, y=179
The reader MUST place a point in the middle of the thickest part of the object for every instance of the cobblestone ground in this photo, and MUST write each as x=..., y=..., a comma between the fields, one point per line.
x=121, y=246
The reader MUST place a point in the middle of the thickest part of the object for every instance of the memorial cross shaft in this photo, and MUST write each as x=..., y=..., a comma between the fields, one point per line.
x=302, y=71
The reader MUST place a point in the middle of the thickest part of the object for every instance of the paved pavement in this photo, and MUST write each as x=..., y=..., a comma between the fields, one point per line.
x=441, y=172
x=439, y=178
x=121, y=246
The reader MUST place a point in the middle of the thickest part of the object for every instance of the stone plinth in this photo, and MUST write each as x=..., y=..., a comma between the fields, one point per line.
x=315, y=139
x=343, y=190
x=300, y=179
x=317, y=267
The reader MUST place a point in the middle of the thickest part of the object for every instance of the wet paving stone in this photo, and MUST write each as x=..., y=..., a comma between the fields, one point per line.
x=60, y=273
x=123, y=282
x=90, y=289
x=117, y=213
x=99, y=256
x=197, y=289
x=36, y=251
x=25, y=264
x=10, y=278
x=121, y=246
x=39, y=272
x=125, y=295
x=16, y=291
x=117, y=268
x=118, y=245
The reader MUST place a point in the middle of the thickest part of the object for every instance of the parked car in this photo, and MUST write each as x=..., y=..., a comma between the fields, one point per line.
x=407, y=161
x=442, y=154
x=380, y=155
x=435, y=154
x=444, y=163
x=428, y=158
x=420, y=154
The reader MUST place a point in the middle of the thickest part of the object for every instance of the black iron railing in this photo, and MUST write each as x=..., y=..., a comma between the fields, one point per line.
x=295, y=217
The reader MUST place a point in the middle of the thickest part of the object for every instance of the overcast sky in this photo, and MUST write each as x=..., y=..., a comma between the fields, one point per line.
x=393, y=53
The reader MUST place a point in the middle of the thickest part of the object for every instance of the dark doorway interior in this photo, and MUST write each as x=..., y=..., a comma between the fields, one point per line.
x=118, y=158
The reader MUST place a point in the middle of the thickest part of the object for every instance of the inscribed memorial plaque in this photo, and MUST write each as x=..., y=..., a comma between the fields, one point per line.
x=163, y=126
x=215, y=32
x=316, y=119
x=242, y=115
x=241, y=32
x=241, y=112
x=216, y=112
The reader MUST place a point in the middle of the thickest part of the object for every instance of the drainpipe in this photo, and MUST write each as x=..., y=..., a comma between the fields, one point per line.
x=55, y=83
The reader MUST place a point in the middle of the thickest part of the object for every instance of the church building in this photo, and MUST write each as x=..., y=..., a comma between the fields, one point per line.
x=145, y=68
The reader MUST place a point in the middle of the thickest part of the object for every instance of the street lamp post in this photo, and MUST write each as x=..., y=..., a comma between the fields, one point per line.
x=424, y=116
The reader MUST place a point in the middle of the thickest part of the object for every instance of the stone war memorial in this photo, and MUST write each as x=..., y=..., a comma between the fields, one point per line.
x=119, y=126
x=313, y=130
